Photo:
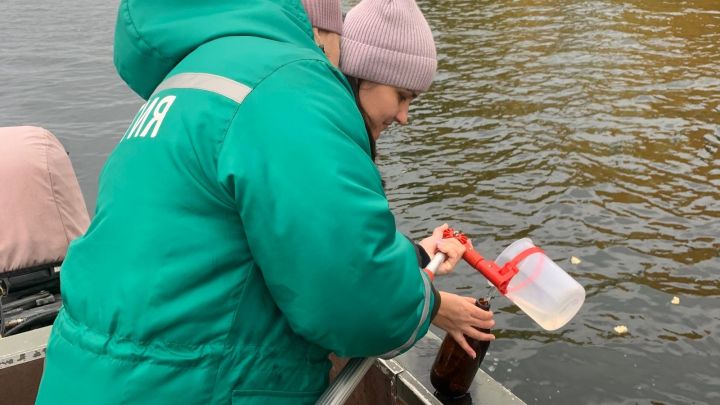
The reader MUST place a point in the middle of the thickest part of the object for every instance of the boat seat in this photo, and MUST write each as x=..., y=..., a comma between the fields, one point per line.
x=41, y=211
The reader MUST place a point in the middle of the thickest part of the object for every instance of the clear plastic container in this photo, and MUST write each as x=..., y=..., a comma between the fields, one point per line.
x=543, y=290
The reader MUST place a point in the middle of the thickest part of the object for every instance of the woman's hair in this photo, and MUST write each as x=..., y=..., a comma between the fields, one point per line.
x=355, y=84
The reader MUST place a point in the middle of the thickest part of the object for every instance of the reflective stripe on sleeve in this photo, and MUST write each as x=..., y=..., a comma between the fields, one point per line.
x=223, y=86
x=423, y=317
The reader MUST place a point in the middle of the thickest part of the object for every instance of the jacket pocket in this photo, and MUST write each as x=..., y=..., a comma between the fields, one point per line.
x=265, y=397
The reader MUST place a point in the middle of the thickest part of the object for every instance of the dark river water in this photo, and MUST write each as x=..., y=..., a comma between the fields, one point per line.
x=592, y=127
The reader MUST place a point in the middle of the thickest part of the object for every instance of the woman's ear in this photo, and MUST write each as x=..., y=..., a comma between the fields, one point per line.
x=329, y=42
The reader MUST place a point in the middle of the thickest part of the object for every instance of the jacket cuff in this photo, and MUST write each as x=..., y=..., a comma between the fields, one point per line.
x=423, y=261
x=422, y=256
x=436, y=304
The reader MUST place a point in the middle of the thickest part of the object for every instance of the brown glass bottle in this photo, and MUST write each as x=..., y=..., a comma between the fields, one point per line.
x=453, y=370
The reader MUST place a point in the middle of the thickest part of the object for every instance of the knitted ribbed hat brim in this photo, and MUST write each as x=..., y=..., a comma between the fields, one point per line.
x=385, y=66
x=324, y=14
x=389, y=42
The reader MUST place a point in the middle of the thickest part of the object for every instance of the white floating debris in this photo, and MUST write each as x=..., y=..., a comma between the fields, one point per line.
x=675, y=300
x=575, y=260
x=621, y=329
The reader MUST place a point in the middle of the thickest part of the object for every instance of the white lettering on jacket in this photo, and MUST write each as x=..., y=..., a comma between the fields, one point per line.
x=141, y=126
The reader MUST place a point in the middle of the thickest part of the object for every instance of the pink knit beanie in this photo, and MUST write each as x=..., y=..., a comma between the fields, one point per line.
x=325, y=14
x=388, y=42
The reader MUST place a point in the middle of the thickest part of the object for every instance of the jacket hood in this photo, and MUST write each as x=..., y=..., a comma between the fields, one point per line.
x=152, y=37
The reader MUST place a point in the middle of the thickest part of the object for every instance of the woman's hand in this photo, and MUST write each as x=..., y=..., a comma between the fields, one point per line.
x=452, y=248
x=459, y=315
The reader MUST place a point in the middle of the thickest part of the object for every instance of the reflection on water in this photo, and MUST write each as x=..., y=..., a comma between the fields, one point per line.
x=592, y=127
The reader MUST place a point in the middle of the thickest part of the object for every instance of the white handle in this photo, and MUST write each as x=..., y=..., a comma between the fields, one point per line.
x=436, y=261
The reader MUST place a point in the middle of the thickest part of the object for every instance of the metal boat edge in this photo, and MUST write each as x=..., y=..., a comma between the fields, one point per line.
x=402, y=380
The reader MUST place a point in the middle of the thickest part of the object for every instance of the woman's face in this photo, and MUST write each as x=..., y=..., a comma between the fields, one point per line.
x=383, y=105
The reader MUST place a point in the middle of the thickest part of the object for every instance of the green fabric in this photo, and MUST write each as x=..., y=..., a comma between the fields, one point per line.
x=234, y=245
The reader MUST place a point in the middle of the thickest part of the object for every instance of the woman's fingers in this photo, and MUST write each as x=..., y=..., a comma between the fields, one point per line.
x=430, y=244
x=476, y=317
x=476, y=323
x=481, y=314
x=478, y=335
x=454, y=251
x=438, y=232
x=452, y=248
x=460, y=339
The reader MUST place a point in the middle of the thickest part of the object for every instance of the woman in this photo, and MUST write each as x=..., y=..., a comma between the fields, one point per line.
x=241, y=230
x=388, y=53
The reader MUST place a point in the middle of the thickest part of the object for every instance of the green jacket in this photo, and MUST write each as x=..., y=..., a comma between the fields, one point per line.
x=241, y=231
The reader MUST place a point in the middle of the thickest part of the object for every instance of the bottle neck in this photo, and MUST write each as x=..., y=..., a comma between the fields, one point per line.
x=483, y=303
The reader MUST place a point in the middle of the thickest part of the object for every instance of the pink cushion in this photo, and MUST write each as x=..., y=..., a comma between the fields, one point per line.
x=41, y=205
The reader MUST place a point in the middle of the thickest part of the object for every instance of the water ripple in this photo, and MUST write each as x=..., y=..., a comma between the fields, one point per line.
x=594, y=128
